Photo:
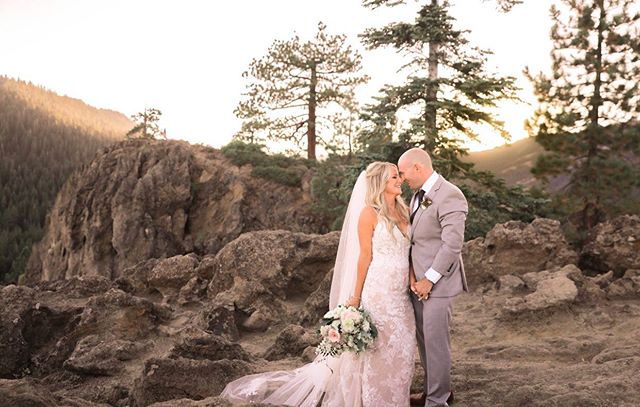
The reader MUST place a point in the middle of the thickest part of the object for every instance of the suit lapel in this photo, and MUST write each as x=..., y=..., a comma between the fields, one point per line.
x=431, y=195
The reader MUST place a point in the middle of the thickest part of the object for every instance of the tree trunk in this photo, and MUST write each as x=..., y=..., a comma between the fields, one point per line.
x=311, y=123
x=593, y=126
x=430, y=113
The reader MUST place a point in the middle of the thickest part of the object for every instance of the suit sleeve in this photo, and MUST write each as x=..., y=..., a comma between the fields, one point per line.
x=452, y=213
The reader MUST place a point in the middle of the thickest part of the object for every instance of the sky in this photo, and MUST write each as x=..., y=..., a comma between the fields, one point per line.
x=186, y=57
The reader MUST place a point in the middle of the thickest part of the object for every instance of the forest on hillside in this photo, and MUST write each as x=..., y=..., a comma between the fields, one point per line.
x=44, y=137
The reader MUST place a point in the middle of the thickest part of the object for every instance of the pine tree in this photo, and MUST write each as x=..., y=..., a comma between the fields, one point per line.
x=446, y=96
x=587, y=119
x=447, y=93
x=506, y=5
x=146, y=125
x=297, y=88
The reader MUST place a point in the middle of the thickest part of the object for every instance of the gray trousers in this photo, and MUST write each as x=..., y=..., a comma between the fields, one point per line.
x=433, y=318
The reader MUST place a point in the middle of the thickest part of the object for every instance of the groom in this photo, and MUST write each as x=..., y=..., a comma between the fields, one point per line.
x=438, y=212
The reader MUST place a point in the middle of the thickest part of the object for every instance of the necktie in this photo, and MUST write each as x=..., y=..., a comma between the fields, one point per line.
x=419, y=199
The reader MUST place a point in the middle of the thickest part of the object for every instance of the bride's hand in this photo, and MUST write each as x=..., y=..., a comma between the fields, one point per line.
x=353, y=302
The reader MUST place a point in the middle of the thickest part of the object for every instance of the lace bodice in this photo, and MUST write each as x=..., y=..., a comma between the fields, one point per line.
x=390, y=261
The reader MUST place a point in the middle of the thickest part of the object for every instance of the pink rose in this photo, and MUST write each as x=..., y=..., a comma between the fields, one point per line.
x=334, y=336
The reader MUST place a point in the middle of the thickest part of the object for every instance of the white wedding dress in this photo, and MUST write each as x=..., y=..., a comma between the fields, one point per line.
x=388, y=367
x=380, y=376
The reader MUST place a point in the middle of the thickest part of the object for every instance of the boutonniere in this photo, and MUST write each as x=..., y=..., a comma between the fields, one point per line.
x=425, y=203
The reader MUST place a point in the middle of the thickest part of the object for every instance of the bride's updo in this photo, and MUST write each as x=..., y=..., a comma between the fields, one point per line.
x=378, y=173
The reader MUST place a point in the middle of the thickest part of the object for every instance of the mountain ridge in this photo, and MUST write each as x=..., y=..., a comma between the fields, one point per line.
x=44, y=137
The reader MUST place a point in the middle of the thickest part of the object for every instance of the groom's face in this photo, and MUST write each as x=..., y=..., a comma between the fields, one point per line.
x=409, y=174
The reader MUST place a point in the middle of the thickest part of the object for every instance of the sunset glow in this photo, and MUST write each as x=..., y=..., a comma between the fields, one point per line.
x=187, y=58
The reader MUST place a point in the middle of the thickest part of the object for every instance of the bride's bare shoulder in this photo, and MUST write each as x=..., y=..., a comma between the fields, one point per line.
x=368, y=216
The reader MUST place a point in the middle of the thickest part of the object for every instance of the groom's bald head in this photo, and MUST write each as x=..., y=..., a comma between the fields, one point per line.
x=417, y=156
x=415, y=167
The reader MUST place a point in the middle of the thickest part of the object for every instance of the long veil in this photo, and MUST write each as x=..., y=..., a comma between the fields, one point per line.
x=331, y=381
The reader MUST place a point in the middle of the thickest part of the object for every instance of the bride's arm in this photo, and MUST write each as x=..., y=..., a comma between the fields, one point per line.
x=412, y=276
x=366, y=225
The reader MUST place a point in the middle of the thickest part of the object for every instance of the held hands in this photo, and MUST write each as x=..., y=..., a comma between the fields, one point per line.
x=422, y=288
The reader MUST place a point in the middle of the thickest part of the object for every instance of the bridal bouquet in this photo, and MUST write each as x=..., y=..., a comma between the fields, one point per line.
x=346, y=329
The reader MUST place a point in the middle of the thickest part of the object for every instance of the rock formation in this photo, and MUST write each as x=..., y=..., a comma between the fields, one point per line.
x=517, y=248
x=139, y=200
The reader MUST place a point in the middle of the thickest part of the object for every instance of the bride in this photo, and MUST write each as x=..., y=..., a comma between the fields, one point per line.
x=372, y=271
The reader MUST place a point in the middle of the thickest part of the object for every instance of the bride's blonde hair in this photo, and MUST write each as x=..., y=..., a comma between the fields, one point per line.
x=378, y=173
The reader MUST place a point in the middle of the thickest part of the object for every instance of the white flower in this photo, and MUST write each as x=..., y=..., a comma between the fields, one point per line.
x=348, y=326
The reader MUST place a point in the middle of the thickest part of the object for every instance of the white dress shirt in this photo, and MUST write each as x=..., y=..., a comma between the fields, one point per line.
x=431, y=274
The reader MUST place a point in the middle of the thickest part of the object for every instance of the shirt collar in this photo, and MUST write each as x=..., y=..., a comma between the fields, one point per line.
x=430, y=182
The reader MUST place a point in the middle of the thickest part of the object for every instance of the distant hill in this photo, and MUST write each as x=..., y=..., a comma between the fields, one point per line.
x=44, y=137
x=512, y=162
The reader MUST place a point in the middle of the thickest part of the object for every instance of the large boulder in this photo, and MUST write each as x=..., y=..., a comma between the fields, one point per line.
x=25, y=393
x=516, y=248
x=32, y=333
x=549, y=290
x=317, y=304
x=15, y=304
x=291, y=341
x=208, y=347
x=120, y=315
x=166, y=379
x=142, y=199
x=168, y=276
x=626, y=287
x=256, y=273
x=613, y=246
x=552, y=289
x=96, y=356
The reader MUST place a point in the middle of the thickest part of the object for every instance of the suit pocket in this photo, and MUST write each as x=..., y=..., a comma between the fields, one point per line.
x=452, y=267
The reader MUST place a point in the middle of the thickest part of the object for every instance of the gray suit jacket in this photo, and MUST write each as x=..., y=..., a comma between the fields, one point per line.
x=437, y=234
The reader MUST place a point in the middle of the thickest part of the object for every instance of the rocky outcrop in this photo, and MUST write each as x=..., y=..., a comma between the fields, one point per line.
x=28, y=393
x=516, y=248
x=208, y=347
x=256, y=273
x=626, y=287
x=168, y=379
x=154, y=199
x=174, y=330
x=551, y=289
x=32, y=332
x=613, y=246
x=317, y=304
x=15, y=303
x=291, y=341
x=95, y=356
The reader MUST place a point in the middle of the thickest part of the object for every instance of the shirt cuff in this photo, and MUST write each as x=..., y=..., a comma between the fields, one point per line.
x=433, y=275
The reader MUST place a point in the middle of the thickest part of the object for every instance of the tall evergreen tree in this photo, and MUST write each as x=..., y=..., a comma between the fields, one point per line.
x=296, y=89
x=447, y=93
x=146, y=125
x=587, y=119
